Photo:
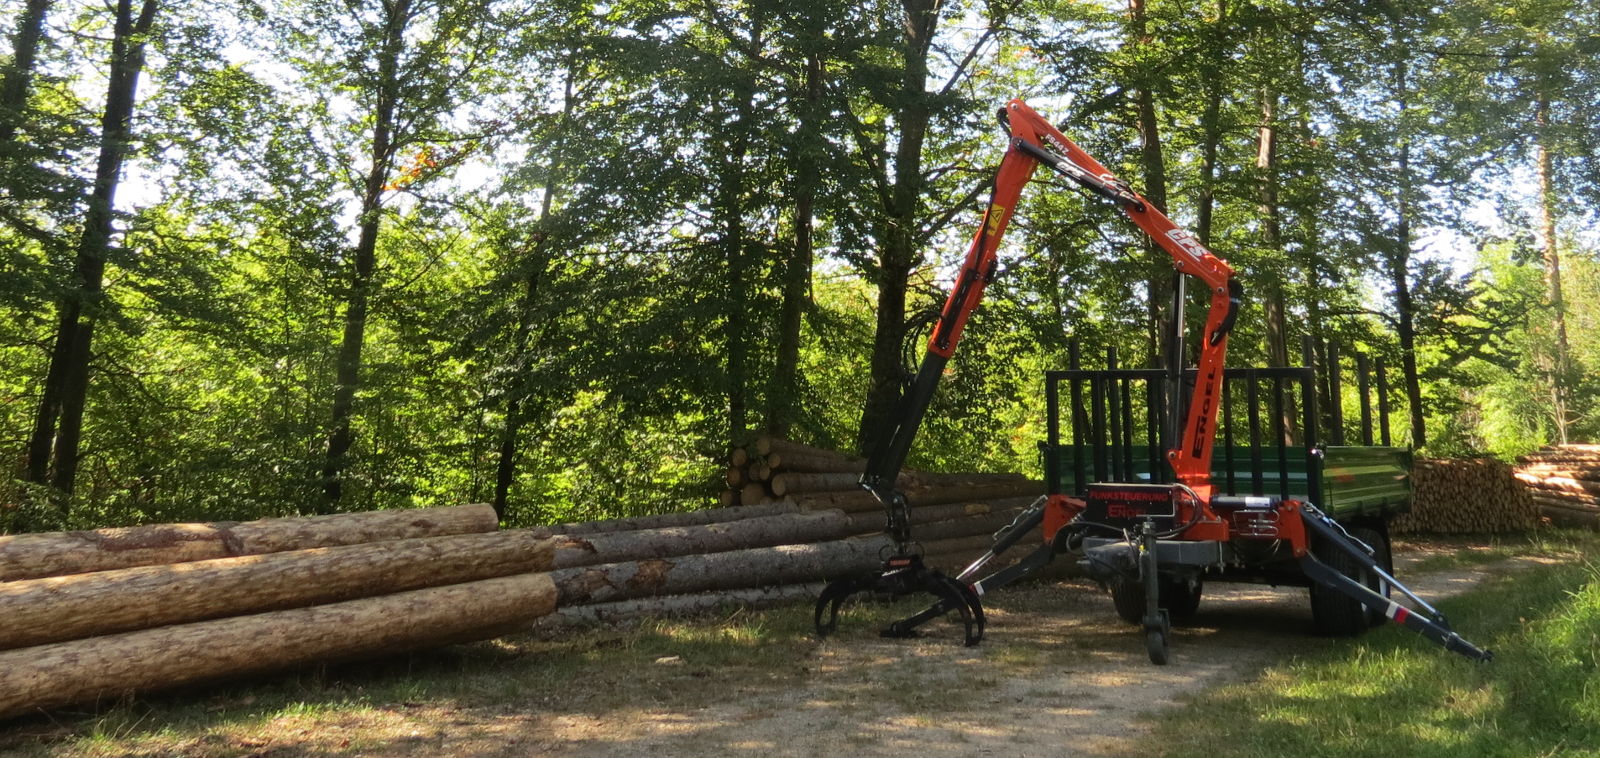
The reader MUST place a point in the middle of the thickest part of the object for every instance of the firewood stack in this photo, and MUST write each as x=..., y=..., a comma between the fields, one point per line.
x=1456, y=496
x=1564, y=481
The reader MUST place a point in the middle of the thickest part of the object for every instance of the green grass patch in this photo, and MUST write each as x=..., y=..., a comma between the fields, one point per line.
x=1392, y=693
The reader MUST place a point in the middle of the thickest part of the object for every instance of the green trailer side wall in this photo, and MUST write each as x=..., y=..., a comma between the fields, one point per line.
x=1357, y=482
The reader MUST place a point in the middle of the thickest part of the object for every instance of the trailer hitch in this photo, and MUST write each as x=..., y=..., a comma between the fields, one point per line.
x=1424, y=620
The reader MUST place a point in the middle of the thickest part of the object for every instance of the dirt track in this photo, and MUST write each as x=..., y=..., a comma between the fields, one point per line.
x=1058, y=674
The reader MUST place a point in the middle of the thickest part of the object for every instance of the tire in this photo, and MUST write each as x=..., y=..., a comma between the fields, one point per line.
x=1180, y=600
x=1333, y=613
x=1128, y=597
x=1385, y=557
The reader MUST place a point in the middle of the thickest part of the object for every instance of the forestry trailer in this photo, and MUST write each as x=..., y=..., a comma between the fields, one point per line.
x=1153, y=521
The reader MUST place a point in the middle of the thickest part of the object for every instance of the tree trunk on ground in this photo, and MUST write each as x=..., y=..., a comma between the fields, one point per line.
x=679, y=605
x=738, y=569
x=107, y=668
x=897, y=225
x=29, y=556
x=861, y=500
x=786, y=529
x=664, y=520
x=58, y=422
x=348, y=362
x=60, y=608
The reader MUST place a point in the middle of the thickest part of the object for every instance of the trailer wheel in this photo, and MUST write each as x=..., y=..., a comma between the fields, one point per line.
x=1179, y=598
x=1385, y=558
x=1333, y=613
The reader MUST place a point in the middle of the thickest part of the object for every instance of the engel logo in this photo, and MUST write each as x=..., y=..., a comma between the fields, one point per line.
x=1123, y=511
x=1187, y=241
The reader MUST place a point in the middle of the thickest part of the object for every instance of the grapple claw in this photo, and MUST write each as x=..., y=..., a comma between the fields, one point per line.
x=904, y=575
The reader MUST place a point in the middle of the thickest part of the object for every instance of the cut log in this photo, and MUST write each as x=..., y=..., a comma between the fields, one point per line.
x=687, y=518
x=861, y=500
x=785, y=529
x=728, y=499
x=760, y=472
x=1563, y=493
x=738, y=569
x=739, y=457
x=106, y=668
x=1565, y=514
x=754, y=493
x=797, y=483
x=60, y=608
x=769, y=446
x=28, y=556
x=814, y=463
x=736, y=477
x=1560, y=483
x=666, y=606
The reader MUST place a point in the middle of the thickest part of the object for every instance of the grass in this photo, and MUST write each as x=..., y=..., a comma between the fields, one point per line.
x=1385, y=695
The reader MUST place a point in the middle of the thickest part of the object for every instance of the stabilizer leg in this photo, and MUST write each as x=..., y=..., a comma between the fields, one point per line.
x=1430, y=623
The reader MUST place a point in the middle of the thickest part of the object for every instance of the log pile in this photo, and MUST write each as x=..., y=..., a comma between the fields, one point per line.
x=1456, y=496
x=98, y=615
x=1564, y=482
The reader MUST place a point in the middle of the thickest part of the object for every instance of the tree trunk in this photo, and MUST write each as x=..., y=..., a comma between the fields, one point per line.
x=663, y=520
x=679, y=605
x=29, y=556
x=1211, y=126
x=348, y=363
x=506, y=464
x=782, y=529
x=24, y=58
x=784, y=399
x=58, y=422
x=107, y=668
x=60, y=608
x=1154, y=169
x=1400, y=256
x=1562, y=370
x=737, y=569
x=898, y=223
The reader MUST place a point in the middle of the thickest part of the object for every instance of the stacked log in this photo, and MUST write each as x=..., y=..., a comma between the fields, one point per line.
x=283, y=598
x=1456, y=496
x=1564, y=482
x=91, y=615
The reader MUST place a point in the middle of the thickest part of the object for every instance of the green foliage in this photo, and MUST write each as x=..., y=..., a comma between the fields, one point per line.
x=587, y=213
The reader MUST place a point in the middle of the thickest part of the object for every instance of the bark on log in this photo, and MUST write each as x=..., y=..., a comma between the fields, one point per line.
x=861, y=500
x=687, y=518
x=814, y=463
x=104, y=668
x=788, y=529
x=1562, y=493
x=60, y=608
x=28, y=556
x=769, y=446
x=798, y=482
x=678, y=605
x=1565, y=514
x=1560, y=483
x=738, y=569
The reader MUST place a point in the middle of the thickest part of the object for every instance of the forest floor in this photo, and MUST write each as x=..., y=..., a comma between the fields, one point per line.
x=1058, y=674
